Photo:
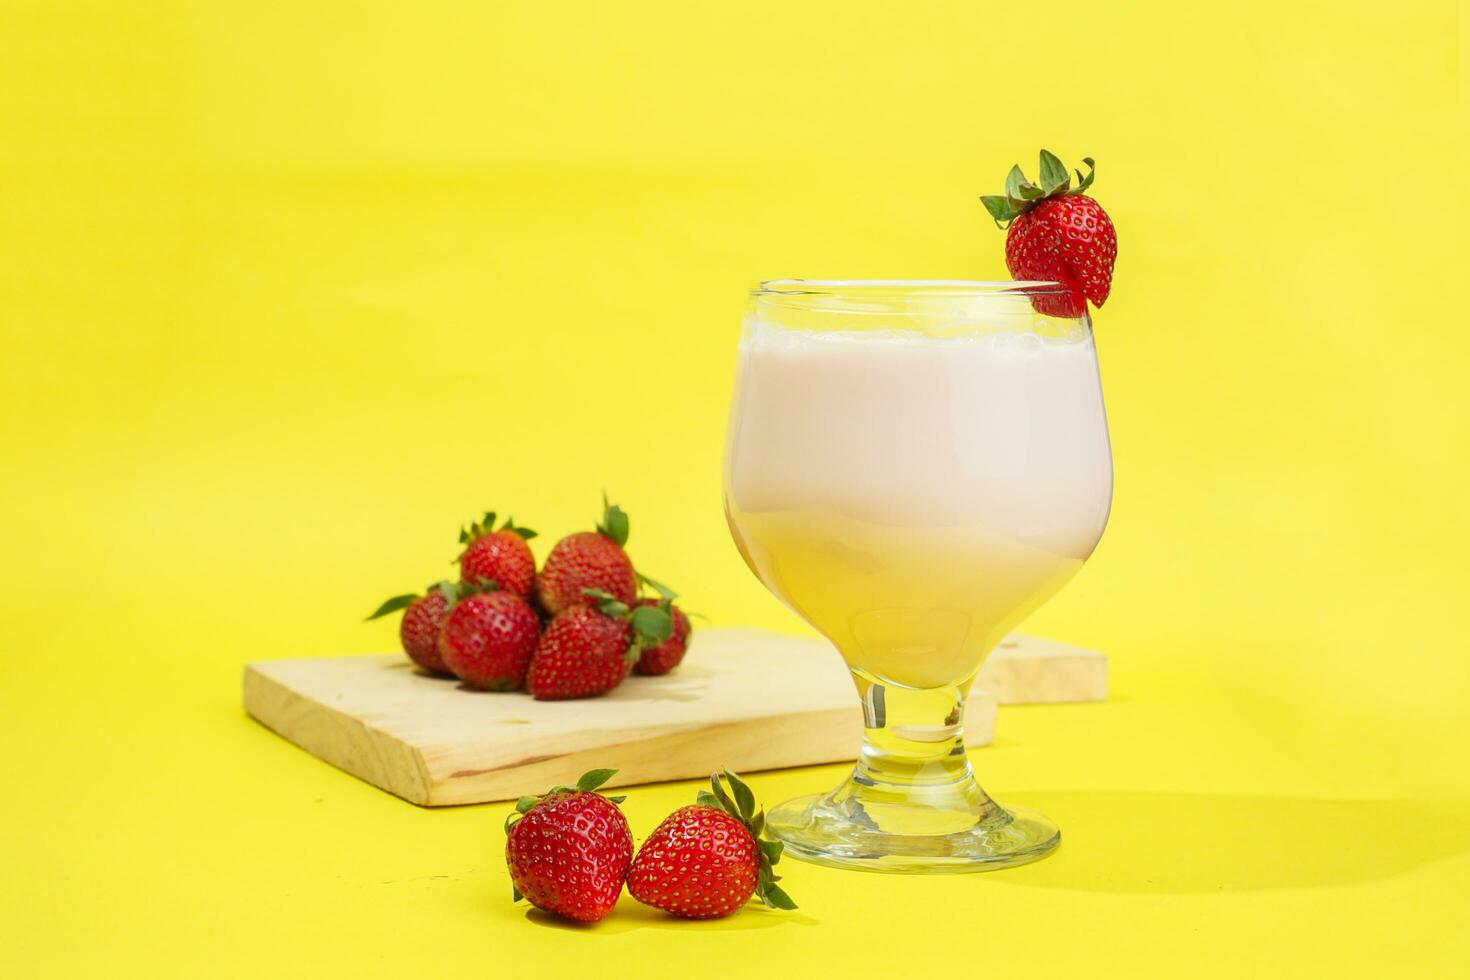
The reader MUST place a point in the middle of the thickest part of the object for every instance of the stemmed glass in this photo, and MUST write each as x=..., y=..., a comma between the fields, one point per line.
x=913, y=467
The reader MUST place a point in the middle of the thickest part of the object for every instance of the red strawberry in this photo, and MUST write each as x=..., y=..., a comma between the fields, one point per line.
x=589, y=560
x=568, y=851
x=706, y=861
x=666, y=656
x=502, y=556
x=488, y=639
x=422, y=620
x=587, y=651
x=1057, y=234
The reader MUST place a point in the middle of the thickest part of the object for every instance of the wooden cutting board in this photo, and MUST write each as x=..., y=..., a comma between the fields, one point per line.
x=743, y=698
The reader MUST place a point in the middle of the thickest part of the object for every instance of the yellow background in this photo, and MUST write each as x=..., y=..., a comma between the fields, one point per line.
x=288, y=291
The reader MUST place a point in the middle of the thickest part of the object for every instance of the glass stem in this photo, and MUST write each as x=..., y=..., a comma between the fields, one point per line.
x=913, y=755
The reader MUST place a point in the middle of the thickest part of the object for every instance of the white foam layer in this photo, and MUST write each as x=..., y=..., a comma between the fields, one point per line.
x=1003, y=342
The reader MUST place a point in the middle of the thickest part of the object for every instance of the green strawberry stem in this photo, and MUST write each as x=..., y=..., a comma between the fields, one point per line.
x=486, y=525
x=651, y=624
x=511, y=526
x=739, y=802
x=614, y=524
x=1021, y=195
x=452, y=593
x=393, y=605
x=587, y=783
x=666, y=594
x=477, y=529
x=607, y=604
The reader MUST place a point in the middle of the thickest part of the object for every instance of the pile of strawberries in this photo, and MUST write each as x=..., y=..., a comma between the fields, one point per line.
x=574, y=629
x=570, y=852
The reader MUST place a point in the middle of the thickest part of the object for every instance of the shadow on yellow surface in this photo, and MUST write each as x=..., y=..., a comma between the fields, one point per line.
x=630, y=916
x=1197, y=842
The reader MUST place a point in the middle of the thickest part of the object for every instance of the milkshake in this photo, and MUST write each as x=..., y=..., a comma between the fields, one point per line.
x=916, y=485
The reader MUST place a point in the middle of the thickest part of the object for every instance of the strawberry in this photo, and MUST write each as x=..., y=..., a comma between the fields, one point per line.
x=586, y=650
x=502, y=556
x=665, y=656
x=588, y=560
x=1057, y=234
x=568, y=851
x=487, y=640
x=706, y=861
x=423, y=618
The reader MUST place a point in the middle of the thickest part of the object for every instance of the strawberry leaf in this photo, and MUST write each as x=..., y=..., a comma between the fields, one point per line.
x=743, y=808
x=515, y=894
x=392, y=605
x=1013, y=181
x=1053, y=175
x=773, y=896
x=1021, y=192
x=666, y=593
x=594, y=778
x=523, y=806
x=1085, y=182
x=588, y=783
x=614, y=522
x=653, y=624
x=1000, y=208
x=1030, y=193
x=726, y=804
x=1021, y=195
x=524, y=532
x=744, y=798
x=607, y=604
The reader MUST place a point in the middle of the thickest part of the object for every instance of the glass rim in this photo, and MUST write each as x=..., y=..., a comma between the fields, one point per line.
x=955, y=288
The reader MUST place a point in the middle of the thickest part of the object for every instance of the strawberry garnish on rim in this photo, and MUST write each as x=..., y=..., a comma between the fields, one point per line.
x=1056, y=233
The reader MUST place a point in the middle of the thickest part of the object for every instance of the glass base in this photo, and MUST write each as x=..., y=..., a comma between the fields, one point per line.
x=842, y=831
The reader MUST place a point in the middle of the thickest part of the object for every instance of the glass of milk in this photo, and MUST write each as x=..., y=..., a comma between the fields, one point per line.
x=913, y=467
